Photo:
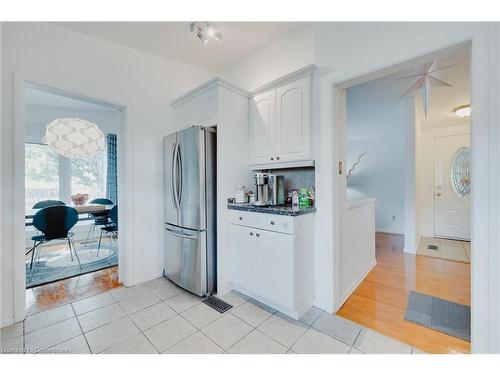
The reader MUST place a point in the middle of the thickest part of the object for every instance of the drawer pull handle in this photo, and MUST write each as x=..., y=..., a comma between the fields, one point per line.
x=277, y=158
x=272, y=222
x=240, y=218
x=258, y=235
x=272, y=158
x=251, y=233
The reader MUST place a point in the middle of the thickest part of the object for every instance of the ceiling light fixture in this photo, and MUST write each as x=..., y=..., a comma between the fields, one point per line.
x=74, y=138
x=205, y=32
x=462, y=111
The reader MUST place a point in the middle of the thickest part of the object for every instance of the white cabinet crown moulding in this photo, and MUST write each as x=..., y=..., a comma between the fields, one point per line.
x=303, y=72
x=207, y=86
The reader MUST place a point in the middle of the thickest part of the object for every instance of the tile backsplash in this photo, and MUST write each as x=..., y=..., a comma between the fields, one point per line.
x=296, y=178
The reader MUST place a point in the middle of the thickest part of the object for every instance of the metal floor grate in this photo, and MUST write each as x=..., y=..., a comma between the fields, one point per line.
x=217, y=304
x=433, y=247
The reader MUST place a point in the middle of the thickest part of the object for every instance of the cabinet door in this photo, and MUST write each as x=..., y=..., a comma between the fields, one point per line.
x=293, y=120
x=275, y=280
x=243, y=257
x=262, y=128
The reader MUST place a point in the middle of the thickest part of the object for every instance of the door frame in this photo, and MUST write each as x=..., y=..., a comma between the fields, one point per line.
x=485, y=136
x=125, y=183
x=434, y=204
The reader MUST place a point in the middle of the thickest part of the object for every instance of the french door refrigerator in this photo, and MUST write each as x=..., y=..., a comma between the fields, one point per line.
x=190, y=209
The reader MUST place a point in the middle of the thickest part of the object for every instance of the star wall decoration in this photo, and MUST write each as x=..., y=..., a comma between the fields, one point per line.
x=425, y=79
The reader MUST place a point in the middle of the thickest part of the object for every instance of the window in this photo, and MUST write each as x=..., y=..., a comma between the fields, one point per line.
x=49, y=175
x=461, y=170
x=88, y=176
x=41, y=174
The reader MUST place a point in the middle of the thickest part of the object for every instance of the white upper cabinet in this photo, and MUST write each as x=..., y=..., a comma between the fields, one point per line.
x=263, y=134
x=281, y=122
x=293, y=119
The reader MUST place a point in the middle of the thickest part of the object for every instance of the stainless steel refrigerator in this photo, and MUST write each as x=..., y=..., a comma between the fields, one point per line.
x=190, y=209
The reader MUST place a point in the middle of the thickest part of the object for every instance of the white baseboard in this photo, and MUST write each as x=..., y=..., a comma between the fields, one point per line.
x=6, y=322
x=356, y=283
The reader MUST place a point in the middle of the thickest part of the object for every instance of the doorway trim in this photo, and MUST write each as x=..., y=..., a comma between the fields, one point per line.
x=125, y=183
x=485, y=136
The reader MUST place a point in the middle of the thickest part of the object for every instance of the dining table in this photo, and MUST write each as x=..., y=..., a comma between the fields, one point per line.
x=83, y=212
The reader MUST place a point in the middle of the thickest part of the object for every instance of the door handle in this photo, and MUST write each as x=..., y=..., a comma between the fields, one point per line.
x=179, y=160
x=438, y=194
x=175, y=175
x=182, y=235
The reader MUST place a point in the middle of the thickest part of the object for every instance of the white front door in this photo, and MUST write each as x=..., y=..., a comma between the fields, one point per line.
x=452, y=173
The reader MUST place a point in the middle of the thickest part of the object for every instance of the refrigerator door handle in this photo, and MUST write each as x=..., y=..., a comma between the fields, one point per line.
x=175, y=166
x=182, y=235
x=179, y=158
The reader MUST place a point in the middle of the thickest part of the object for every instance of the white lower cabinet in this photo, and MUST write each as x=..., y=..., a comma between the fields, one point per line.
x=275, y=268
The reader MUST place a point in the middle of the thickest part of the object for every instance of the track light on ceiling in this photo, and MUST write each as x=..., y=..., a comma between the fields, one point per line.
x=205, y=32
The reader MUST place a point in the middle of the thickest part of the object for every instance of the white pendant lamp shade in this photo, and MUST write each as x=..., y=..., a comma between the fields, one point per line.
x=74, y=137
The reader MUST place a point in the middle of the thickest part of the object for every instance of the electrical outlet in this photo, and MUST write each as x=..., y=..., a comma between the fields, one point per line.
x=393, y=217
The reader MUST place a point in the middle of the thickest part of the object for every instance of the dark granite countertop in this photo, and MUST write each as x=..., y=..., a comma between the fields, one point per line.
x=273, y=210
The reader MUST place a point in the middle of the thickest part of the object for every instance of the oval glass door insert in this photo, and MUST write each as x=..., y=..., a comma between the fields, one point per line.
x=461, y=168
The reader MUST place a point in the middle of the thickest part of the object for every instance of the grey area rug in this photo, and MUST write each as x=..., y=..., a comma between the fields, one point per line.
x=439, y=314
x=53, y=266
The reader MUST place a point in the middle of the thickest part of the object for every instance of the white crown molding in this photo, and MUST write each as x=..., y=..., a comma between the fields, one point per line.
x=214, y=82
x=307, y=70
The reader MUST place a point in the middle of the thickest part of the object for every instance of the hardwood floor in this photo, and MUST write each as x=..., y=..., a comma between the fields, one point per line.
x=380, y=300
x=61, y=292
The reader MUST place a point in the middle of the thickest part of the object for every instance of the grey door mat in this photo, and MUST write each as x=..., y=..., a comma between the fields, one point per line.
x=439, y=314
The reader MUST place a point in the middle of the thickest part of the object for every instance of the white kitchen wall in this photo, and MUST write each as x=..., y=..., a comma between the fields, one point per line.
x=94, y=68
x=376, y=120
x=284, y=55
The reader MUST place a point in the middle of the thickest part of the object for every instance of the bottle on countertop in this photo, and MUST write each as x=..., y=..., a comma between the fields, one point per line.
x=295, y=198
x=240, y=196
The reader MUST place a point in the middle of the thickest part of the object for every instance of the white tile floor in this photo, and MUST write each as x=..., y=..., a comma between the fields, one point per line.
x=159, y=317
x=447, y=249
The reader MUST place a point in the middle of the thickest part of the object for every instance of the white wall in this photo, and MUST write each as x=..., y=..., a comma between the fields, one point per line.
x=284, y=55
x=376, y=120
x=357, y=253
x=142, y=83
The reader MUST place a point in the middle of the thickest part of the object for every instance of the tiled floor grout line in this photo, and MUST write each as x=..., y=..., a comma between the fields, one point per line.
x=307, y=326
x=290, y=347
x=140, y=330
x=356, y=339
x=81, y=328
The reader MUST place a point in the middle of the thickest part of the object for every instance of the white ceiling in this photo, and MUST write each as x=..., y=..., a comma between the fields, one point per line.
x=174, y=40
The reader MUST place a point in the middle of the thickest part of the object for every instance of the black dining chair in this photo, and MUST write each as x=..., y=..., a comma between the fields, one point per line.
x=48, y=203
x=55, y=223
x=100, y=219
x=112, y=228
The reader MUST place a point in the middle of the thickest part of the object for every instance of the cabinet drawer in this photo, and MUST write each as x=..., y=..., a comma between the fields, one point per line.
x=274, y=223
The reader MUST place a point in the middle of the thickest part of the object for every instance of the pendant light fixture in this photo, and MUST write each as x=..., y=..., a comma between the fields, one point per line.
x=74, y=138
